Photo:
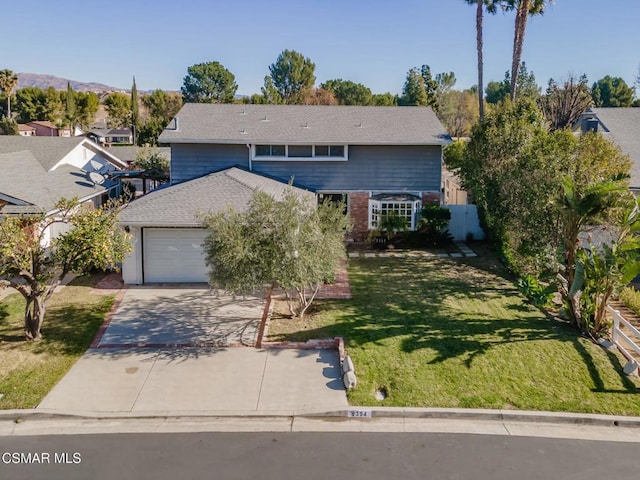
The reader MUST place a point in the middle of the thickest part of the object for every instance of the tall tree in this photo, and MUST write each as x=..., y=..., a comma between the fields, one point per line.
x=565, y=102
x=70, y=112
x=490, y=6
x=162, y=105
x=8, y=81
x=93, y=241
x=135, y=117
x=526, y=86
x=87, y=104
x=523, y=9
x=612, y=92
x=209, y=82
x=413, y=92
x=292, y=76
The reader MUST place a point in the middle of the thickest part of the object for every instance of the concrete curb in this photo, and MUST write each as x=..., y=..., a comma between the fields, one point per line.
x=558, y=418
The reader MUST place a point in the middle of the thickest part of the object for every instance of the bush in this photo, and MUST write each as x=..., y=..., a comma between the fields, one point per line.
x=432, y=227
x=630, y=297
x=539, y=295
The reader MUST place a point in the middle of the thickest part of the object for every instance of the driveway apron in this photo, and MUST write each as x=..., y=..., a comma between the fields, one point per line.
x=180, y=350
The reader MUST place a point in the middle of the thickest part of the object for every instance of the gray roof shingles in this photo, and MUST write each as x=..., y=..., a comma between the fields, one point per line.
x=25, y=178
x=231, y=123
x=623, y=127
x=181, y=205
x=47, y=150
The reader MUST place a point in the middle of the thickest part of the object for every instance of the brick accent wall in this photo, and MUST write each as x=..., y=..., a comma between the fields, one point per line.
x=431, y=197
x=359, y=212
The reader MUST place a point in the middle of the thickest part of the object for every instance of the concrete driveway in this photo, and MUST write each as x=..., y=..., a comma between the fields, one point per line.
x=192, y=361
x=185, y=316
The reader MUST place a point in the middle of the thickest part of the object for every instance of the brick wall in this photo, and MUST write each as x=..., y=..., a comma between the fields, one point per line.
x=431, y=197
x=359, y=212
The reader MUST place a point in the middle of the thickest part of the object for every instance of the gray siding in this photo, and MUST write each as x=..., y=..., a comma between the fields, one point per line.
x=411, y=168
x=193, y=161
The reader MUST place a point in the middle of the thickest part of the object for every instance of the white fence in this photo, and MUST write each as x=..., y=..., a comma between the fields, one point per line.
x=623, y=341
x=464, y=221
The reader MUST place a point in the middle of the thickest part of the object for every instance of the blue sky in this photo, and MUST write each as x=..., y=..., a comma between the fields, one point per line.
x=374, y=42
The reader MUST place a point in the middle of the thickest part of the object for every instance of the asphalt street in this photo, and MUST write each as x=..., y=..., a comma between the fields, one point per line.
x=354, y=456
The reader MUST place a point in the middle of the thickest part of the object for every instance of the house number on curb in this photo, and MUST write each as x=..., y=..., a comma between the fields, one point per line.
x=359, y=413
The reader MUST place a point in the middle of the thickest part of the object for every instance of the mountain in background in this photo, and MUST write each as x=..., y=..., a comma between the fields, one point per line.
x=46, y=81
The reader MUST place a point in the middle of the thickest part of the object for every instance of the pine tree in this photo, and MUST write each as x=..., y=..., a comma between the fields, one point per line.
x=70, y=109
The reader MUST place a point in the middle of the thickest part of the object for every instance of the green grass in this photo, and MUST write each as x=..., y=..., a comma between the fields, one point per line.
x=449, y=333
x=29, y=370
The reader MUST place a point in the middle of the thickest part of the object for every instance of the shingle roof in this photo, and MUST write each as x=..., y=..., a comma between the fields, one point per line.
x=47, y=150
x=180, y=205
x=231, y=123
x=24, y=178
x=622, y=125
x=129, y=153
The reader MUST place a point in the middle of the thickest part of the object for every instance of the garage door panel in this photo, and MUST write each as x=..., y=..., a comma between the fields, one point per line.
x=173, y=255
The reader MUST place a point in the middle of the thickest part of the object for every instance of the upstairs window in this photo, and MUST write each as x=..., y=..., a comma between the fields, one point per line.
x=297, y=152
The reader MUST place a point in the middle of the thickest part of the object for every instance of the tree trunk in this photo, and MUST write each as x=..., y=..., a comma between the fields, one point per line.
x=480, y=60
x=33, y=317
x=518, y=41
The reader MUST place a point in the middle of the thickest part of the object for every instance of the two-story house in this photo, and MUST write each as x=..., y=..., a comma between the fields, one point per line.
x=378, y=160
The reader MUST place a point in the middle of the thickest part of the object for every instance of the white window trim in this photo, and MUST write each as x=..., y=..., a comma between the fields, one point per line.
x=287, y=158
x=416, y=206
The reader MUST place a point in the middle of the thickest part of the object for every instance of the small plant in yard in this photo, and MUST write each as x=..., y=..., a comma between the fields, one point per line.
x=539, y=294
x=432, y=226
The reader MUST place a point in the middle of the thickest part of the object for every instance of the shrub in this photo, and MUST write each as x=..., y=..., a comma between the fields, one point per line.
x=630, y=297
x=539, y=295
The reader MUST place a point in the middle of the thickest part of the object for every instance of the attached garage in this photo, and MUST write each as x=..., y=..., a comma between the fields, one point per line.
x=174, y=255
x=165, y=225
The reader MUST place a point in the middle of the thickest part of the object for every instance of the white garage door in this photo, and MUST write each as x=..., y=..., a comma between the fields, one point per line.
x=173, y=255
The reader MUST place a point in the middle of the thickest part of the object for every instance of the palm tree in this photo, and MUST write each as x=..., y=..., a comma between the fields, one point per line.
x=490, y=5
x=8, y=81
x=523, y=9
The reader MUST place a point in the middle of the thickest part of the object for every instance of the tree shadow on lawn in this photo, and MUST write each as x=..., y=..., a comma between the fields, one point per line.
x=454, y=310
x=598, y=382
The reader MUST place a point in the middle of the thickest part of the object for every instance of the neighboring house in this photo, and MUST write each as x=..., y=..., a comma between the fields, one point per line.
x=111, y=136
x=36, y=172
x=378, y=159
x=48, y=129
x=166, y=231
x=454, y=194
x=622, y=126
x=26, y=130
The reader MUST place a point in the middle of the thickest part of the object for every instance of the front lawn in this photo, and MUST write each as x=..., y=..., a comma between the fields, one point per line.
x=457, y=333
x=29, y=370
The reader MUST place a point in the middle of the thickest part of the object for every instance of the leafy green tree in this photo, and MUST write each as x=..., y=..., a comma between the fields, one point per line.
x=526, y=87
x=119, y=109
x=384, y=99
x=414, y=92
x=8, y=81
x=92, y=242
x=30, y=104
x=209, y=82
x=87, y=104
x=8, y=126
x=270, y=94
x=150, y=131
x=292, y=76
x=564, y=103
x=288, y=243
x=53, y=106
x=135, y=112
x=612, y=92
x=162, y=105
x=348, y=92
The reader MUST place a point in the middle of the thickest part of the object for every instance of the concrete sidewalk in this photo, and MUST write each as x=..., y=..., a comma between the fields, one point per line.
x=234, y=380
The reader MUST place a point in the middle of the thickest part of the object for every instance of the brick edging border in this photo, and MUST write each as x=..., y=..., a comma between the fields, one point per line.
x=107, y=319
